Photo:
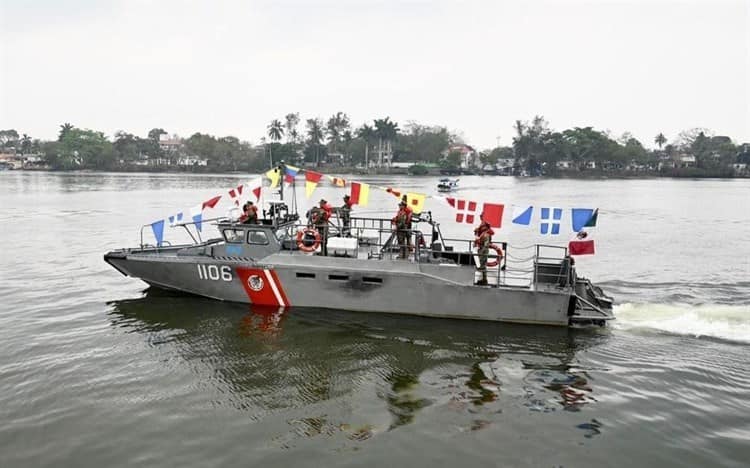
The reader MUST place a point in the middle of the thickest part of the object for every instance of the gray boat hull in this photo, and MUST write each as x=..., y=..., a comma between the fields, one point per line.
x=391, y=286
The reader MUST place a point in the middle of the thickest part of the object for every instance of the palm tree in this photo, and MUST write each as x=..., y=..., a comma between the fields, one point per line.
x=64, y=129
x=366, y=133
x=275, y=132
x=315, y=135
x=386, y=131
x=290, y=124
x=25, y=144
x=660, y=140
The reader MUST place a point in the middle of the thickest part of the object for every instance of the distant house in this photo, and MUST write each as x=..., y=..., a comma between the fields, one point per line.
x=686, y=160
x=469, y=156
x=740, y=168
x=170, y=144
x=192, y=161
x=564, y=164
x=591, y=164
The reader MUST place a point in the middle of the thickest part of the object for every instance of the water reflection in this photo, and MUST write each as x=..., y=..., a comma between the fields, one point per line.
x=384, y=370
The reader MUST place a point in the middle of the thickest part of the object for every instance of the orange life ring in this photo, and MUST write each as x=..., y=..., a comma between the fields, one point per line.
x=308, y=240
x=495, y=262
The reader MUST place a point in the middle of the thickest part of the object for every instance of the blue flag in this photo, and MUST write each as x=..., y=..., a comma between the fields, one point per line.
x=158, y=228
x=550, y=224
x=175, y=218
x=581, y=217
x=522, y=214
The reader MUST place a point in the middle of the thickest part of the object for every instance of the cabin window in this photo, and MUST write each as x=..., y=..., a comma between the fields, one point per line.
x=233, y=236
x=338, y=277
x=301, y=274
x=257, y=237
x=372, y=279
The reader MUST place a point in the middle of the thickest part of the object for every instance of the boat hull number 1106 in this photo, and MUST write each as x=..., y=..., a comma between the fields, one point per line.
x=214, y=272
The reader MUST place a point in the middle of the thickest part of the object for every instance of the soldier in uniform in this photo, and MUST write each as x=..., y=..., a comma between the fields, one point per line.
x=250, y=215
x=345, y=213
x=402, y=221
x=483, y=239
x=320, y=216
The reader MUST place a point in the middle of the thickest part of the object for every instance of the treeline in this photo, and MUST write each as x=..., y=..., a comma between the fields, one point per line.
x=536, y=149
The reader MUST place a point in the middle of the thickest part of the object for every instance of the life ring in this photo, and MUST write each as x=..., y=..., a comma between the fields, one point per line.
x=308, y=240
x=496, y=261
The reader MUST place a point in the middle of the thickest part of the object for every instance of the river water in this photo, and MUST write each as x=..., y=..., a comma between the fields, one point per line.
x=95, y=370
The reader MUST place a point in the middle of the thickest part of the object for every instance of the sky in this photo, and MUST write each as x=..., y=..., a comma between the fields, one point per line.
x=475, y=67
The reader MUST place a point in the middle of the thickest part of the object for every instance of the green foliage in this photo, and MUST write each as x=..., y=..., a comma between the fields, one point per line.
x=85, y=149
x=423, y=143
x=275, y=130
x=418, y=169
x=452, y=161
x=8, y=138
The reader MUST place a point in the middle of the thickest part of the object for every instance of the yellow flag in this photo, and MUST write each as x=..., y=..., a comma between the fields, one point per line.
x=275, y=177
x=415, y=201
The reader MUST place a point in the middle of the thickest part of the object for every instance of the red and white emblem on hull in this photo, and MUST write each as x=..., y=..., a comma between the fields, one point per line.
x=263, y=286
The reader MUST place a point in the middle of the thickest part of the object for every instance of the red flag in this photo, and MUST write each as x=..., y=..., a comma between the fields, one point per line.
x=465, y=210
x=493, y=214
x=236, y=194
x=288, y=178
x=581, y=247
x=211, y=203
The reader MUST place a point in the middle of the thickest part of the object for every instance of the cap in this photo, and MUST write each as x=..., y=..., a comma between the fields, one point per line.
x=346, y=196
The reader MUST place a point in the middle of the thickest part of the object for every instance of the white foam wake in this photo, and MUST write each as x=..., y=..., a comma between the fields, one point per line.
x=720, y=321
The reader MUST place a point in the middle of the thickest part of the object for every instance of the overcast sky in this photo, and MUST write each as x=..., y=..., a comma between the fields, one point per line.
x=230, y=67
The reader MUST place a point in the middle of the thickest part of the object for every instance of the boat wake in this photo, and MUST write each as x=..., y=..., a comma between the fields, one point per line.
x=726, y=322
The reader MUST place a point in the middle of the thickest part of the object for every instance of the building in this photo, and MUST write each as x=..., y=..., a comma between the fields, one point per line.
x=170, y=144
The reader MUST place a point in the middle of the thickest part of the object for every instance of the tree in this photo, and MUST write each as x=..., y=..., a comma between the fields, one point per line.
x=386, y=131
x=25, y=144
x=366, y=133
x=275, y=132
x=64, y=129
x=314, y=137
x=290, y=124
x=337, y=125
x=85, y=149
x=156, y=133
x=660, y=140
x=8, y=138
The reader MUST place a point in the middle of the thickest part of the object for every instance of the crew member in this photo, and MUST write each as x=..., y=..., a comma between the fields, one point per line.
x=402, y=222
x=250, y=215
x=409, y=215
x=320, y=216
x=345, y=213
x=483, y=239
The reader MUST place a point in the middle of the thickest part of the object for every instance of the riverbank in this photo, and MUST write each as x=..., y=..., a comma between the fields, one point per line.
x=685, y=173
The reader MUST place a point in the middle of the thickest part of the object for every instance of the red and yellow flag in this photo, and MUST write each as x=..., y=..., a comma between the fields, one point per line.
x=360, y=193
x=311, y=181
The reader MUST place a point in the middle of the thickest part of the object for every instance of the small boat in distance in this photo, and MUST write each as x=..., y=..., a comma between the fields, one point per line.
x=447, y=185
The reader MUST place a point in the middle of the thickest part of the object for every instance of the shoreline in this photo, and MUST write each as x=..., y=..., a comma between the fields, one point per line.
x=691, y=174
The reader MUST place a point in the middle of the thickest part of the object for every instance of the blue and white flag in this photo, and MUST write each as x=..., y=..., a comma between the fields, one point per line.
x=174, y=219
x=522, y=214
x=581, y=217
x=158, y=228
x=549, y=221
x=196, y=213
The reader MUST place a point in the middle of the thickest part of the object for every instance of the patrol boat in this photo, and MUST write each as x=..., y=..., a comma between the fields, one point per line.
x=279, y=262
